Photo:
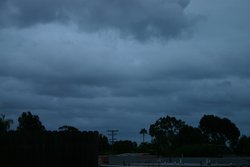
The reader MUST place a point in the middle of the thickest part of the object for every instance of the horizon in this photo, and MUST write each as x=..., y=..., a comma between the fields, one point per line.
x=107, y=133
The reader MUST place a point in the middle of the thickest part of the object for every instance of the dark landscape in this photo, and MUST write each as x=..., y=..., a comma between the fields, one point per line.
x=216, y=139
x=88, y=83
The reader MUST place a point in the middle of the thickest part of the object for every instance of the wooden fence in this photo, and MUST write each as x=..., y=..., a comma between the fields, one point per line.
x=76, y=149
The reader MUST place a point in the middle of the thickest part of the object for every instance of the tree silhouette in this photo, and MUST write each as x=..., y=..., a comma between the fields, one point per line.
x=189, y=135
x=103, y=144
x=68, y=128
x=219, y=131
x=164, y=132
x=29, y=123
x=243, y=146
x=143, y=132
x=124, y=146
x=4, y=124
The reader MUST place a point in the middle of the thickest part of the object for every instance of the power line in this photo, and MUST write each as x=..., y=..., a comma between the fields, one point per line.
x=112, y=133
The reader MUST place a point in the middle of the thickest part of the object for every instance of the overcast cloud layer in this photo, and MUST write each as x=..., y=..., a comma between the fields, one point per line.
x=139, y=19
x=115, y=64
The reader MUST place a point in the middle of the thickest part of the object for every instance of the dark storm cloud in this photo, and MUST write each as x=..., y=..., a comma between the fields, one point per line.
x=139, y=19
x=98, y=81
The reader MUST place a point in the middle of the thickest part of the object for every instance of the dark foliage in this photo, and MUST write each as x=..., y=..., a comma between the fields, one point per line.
x=68, y=128
x=31, y=145
x=146, y=148
x=103, y=143
x=164, y=132
x=124, y=146
x=189, y=135
x=219, y=131
x=29, y=123
x=243, y=146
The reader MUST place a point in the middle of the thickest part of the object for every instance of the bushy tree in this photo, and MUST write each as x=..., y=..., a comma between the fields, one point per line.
x=219, y=131
x=29, y=123
x=164, y=132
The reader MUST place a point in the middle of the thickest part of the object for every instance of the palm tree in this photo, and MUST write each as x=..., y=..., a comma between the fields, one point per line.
x=5, y=124
x=143, y=132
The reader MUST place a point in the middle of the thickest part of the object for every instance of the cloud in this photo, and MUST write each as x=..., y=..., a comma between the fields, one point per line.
x=138, y=19
x=67, y=76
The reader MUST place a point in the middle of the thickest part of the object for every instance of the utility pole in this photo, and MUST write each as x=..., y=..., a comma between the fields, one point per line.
x=112, y=133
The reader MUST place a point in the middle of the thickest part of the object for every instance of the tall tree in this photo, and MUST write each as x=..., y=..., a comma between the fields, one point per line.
x=143, y=132
x=30, y=123
x=164, y=132
x=4, y=124
x=219, y=131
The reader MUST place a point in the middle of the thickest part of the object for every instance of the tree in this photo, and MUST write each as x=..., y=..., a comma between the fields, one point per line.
x=4, y=124
x=164, y=132
x=143, y=132
x=124, y=146
x=243, y=146
x=68, y=128
x=219, y=131
x=103, y=144
x=29, y=123
x=189, y=135
x=146, y=148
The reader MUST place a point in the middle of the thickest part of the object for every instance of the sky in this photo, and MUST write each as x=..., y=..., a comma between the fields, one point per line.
x=116, y=64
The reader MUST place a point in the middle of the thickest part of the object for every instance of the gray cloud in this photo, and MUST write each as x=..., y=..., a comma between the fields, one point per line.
x=96, y=81
x=139, y=19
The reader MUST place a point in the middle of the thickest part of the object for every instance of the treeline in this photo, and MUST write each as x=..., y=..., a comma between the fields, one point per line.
x=31, y=145
x=214, y=136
